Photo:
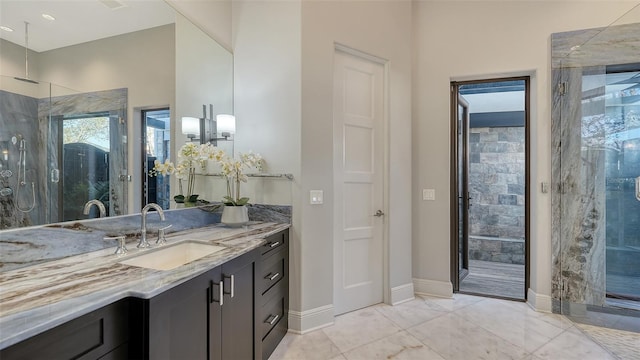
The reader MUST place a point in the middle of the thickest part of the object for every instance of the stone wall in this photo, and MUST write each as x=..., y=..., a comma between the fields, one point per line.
x=497, y=182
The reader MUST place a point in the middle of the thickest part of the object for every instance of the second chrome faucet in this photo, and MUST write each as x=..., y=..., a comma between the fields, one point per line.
x=143, y=228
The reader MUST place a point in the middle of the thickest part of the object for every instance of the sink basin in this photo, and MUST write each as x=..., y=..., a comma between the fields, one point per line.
x=171, y=257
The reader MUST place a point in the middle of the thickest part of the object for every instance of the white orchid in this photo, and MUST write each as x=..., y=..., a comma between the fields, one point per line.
x=232, y=169
x=190, y=155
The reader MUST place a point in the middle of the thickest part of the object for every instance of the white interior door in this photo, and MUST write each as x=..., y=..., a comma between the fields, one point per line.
x=358, y=174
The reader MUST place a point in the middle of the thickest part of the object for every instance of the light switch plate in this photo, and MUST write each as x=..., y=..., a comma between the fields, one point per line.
x=315, y=197
x=429, y=194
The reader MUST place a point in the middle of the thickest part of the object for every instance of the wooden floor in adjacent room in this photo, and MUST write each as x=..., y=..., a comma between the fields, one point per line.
x=495, y=279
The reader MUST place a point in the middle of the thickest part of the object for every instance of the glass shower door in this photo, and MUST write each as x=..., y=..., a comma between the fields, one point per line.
x=622, y=106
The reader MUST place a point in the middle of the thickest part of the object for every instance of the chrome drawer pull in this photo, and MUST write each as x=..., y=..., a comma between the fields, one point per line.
x=274, y=276
x=274, y=244
x=273, y=320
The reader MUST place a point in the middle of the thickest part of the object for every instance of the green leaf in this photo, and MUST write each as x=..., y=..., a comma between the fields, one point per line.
x=242, y=201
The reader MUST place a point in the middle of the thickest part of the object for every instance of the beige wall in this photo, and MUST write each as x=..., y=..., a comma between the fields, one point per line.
x=283, y=59
x=212, y=16
x=458, y=40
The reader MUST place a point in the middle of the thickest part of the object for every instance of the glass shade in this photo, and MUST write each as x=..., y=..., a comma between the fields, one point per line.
x=190, y=125
x=226, y=124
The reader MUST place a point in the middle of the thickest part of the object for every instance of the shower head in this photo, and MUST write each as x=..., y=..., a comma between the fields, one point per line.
x=26, y=57
x=26, y=80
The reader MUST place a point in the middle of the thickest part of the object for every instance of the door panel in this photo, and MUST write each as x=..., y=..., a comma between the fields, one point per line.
x=358, y=164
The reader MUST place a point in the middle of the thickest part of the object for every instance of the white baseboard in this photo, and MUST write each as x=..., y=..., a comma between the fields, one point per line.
x=433, y=288
x=538, y=302
x=310, y=320
x=402, y=293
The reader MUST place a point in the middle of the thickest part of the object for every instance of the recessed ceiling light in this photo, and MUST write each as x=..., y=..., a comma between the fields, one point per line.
x=48, y=17
x=6, y=28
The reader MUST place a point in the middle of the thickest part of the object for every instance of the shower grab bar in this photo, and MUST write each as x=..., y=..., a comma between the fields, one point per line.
x=638, y=188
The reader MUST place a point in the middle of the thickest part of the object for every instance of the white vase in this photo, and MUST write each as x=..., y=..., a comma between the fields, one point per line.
x=235, y=216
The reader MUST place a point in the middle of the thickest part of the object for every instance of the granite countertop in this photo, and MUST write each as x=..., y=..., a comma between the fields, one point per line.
x=37, y=298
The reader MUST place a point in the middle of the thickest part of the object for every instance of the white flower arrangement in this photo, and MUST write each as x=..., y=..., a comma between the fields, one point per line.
x=232, y=170
x=190, y=155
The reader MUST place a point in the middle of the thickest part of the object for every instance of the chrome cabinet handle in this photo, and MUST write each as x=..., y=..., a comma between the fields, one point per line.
x=378, y=213
x=273, y=320
x=638, y=188
x=220, y=292
x=233, y=287
x=272, y=277
x=274, y=244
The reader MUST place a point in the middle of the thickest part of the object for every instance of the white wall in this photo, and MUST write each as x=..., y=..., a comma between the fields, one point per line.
x=463, y=40
x=212, y=16
x=267, y=93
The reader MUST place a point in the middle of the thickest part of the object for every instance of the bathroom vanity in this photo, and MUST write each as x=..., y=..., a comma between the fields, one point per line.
x=231, y=304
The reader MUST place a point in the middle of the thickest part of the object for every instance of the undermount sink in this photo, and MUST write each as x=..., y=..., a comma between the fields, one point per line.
x=171, y=257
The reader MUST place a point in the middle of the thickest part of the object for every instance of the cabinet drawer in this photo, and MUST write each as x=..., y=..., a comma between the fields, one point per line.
x=272, y=313
x=90, y=336
x=274, y=270
x=271, y=341
x=274, y=242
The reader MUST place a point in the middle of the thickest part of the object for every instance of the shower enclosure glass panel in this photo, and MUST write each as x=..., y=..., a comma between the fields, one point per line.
x=595, y=164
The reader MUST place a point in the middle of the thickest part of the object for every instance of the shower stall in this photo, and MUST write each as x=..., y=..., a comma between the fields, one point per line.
x=596, y=175
x=59, y=149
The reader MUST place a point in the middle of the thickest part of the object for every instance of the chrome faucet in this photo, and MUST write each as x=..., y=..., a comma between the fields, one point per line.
x=143, y=229
x=98, y=203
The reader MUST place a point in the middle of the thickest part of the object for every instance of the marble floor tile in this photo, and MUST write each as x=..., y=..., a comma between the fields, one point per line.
x=399, y=346
x=410, y=313
x=458, y=301
x=624, y=344
x=572, y=345
x=455, y=338
x=313, y=346
x=358, y=328
x=513, y=324
x=464, y=327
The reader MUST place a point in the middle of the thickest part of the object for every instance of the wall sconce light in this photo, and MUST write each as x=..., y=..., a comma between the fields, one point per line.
x=207, y=130
x=191, y=127
x=225, y=126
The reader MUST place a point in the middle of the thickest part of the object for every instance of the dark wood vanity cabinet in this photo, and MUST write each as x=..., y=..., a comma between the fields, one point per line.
x=235, y=311
x=208, y=317
x=100, y=334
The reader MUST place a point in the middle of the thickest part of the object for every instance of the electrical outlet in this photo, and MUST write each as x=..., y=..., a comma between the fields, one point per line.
x=429, y=194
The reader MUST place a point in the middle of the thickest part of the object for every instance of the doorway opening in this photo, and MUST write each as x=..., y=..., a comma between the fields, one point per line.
x=490, y=192
x=156, y=126
x=85, y=145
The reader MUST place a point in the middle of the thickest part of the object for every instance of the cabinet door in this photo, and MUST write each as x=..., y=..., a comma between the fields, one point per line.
x=238, y=340
x=177, y=319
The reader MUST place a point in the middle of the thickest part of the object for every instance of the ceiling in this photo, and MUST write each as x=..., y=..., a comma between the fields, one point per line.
x=78, y=21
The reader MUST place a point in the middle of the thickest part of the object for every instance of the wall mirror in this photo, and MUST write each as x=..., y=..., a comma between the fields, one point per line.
x=89, y=96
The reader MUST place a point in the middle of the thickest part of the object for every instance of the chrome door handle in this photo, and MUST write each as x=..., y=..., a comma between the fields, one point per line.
x=638, y=188
x=378, y=213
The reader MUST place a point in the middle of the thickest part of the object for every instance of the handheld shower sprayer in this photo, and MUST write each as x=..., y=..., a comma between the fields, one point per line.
x=22, y=176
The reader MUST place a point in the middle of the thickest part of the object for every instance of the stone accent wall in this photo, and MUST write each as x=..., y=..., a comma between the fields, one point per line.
x=509, y=251
x=497, y=182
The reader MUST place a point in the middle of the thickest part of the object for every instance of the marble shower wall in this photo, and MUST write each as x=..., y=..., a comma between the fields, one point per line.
x=19, y=118
x=578, y=165
x=35, y=120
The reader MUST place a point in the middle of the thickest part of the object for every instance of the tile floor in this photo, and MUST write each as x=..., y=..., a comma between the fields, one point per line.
x=465, y=327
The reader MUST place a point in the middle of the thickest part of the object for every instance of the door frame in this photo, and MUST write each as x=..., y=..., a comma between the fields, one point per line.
x=338, y=47
x=453, y=195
